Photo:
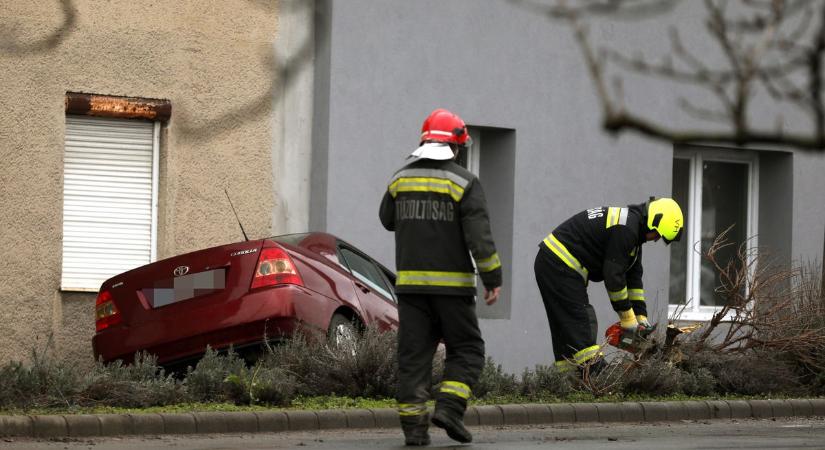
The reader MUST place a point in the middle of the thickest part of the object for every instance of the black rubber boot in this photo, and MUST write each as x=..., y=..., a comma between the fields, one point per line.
x=415, y=430
x=449, y=415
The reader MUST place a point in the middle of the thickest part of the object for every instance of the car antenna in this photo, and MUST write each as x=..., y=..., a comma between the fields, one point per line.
x=236, y=214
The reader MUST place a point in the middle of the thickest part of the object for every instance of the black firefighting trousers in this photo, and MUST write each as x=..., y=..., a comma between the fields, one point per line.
x=423, y=321
x=573, y=325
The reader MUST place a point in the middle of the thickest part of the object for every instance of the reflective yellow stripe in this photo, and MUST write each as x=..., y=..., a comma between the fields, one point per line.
x=611, y=214
x=456, y=388
x=561, y=251
x=433, y=173
x=636, y=294
x=618, y=296
x=434, y=278
x=564, y=366
x=424, y=184
x=412, y=409
x=615, y=216
x=584, y=355
x=489, y=264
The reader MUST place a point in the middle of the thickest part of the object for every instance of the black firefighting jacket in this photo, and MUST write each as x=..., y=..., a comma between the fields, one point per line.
x=605, y=243
x=438, y=212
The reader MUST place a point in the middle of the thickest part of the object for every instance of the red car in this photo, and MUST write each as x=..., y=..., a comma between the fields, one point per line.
x=242, y=294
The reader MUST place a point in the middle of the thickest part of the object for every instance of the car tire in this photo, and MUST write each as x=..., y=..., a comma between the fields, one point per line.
x=342, y=332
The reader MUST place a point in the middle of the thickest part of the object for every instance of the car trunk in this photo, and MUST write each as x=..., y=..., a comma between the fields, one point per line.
x=201, y=285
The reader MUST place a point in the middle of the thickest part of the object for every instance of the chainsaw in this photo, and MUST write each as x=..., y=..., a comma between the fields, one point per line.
x=633, y=341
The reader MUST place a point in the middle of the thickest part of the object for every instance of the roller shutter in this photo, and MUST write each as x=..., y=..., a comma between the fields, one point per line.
x=109, y=197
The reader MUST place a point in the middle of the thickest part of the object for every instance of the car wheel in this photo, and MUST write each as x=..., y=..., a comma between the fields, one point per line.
x=342, y=332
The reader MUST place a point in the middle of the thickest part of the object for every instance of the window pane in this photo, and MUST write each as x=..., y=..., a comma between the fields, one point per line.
x=724, y=203
x=678, y=250
x=366, y=272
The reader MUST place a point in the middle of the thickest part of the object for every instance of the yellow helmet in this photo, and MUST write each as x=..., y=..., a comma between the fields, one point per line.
x=665, y=216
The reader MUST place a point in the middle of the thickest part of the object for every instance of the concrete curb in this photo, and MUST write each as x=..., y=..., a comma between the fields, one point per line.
x=86, y=425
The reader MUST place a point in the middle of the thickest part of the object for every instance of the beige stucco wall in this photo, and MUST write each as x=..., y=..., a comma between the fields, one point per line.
x=212, y=59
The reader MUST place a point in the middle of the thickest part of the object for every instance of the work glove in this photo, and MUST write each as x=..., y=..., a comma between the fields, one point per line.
x=643, y=321
x=628, y=320
x=645, y=327
x=631, y=333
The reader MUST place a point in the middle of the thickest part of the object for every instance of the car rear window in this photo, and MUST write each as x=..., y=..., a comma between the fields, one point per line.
x=291, y=239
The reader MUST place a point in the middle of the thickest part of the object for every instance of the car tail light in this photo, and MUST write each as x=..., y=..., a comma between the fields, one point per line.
x=106, y=313
x=275, y=267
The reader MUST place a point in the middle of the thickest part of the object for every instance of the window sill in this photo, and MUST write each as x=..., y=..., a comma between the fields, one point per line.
x=71, y=290
x=704, y=314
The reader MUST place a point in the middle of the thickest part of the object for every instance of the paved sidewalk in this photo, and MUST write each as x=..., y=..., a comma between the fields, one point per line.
x=86, y=425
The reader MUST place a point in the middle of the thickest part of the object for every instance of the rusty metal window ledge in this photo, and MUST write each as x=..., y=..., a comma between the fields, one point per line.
x=118, y=107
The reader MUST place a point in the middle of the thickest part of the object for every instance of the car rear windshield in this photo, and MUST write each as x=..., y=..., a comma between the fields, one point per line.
x=291, y=239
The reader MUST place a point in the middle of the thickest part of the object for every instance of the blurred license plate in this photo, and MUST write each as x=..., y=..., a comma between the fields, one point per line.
x=185, y=287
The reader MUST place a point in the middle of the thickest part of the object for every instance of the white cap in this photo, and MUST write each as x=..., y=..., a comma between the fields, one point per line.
x=433, y=150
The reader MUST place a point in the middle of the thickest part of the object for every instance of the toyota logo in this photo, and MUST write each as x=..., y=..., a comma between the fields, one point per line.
x=181, y=271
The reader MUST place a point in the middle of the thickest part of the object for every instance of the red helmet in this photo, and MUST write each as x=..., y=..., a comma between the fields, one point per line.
x=443, y=126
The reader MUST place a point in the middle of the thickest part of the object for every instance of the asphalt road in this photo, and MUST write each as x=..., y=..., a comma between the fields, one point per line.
x=717, y=434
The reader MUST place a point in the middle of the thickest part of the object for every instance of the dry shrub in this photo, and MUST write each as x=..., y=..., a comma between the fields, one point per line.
x=769, y=335
x=46, y=382
x=768, y=306
x=50, y=382
x=806, y=314
x=366, y=368
x=657, y=375
x=140, y=384
x=745, y=373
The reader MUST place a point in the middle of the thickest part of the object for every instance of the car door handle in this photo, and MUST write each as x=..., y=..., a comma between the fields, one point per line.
x=363, y=287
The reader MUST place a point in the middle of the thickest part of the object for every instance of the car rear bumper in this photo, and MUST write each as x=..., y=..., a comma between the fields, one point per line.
x=272, y=318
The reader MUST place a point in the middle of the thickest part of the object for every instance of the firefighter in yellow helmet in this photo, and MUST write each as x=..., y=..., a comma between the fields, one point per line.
x=439, y=215
x=601, y=243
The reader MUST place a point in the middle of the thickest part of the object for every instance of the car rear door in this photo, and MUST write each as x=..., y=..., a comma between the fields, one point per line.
x=377, y=297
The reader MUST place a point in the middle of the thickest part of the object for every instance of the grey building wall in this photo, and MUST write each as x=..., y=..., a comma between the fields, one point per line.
x=388, y=64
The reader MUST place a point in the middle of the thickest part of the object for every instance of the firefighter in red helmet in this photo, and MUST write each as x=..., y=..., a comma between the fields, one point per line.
x=438, y=212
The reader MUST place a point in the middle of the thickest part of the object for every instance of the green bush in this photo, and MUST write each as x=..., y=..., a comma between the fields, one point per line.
x=494, y=382
x=273, y=386
x=207, y=382
x=656, y=377
x=544, y=382
x=699, y=382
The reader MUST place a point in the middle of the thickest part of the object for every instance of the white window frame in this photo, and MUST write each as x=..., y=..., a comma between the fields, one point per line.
x=156, y=125
x=693, y=310
x=474, y=151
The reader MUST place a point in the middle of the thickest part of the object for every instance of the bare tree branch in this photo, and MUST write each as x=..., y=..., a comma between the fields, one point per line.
x=765, y=43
